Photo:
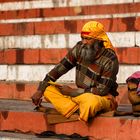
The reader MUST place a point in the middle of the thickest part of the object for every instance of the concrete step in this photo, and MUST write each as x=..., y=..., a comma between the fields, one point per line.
x=19, y=116
x=21, y=136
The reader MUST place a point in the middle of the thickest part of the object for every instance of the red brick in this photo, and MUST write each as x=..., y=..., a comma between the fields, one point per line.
x=137, y=25
x=17, y=90
x=128, y=55
x=3, y=1
x=17, y=29
x=52, y=56
x=23, y=29
x=2, y=58
x=31, y=56
x=10, y=56
x=51, y=27
x=6, y=90
x=6, y=29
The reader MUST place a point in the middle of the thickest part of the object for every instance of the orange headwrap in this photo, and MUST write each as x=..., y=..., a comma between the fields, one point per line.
x=95, y=30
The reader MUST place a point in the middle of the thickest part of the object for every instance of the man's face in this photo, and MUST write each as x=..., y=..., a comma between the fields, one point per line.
x=87, y=40
x=90, y=43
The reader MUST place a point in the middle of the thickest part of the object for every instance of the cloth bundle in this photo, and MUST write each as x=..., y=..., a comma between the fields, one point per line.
x=133, y=84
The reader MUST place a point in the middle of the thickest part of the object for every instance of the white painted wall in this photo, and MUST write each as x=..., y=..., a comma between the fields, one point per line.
x=118, y=39
x=37, y=72
x=57, y=3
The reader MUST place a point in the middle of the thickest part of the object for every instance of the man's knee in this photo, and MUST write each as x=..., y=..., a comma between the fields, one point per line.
x=51, y=91
x=92, y=100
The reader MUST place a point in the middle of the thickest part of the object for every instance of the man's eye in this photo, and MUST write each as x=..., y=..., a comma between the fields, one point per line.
x=87, y=38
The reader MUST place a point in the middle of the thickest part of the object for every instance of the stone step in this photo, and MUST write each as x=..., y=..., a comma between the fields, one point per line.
x=20, y=116
x=24, y=91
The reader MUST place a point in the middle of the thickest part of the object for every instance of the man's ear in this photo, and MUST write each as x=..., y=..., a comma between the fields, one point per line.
x=97, y=45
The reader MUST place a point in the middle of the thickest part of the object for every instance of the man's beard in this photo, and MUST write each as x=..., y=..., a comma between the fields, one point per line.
x=89, y=53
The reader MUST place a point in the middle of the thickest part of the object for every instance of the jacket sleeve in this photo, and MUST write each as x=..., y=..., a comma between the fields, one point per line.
x=67, y=63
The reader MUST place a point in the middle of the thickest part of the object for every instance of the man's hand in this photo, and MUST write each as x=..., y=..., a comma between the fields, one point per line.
x=36, y=98
x=66, y=90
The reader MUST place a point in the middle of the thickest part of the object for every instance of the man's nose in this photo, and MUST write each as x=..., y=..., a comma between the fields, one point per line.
x=84, y=41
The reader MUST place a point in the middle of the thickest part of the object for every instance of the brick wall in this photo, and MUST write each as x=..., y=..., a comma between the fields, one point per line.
x=35, y=35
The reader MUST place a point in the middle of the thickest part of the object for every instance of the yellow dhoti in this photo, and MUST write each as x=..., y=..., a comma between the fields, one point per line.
x=87, y=103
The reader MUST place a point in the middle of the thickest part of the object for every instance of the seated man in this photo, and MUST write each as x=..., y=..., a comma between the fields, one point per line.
x=96, y=69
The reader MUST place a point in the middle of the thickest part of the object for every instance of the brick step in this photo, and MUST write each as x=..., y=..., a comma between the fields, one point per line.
x=24, y=91
x=19, y=116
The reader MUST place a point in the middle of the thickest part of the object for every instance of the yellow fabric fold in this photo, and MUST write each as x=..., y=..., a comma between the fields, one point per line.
x=87, y=103
x=63, y=104
x=90, y=104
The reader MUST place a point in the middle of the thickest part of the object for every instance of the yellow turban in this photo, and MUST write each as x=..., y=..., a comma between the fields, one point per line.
x=96, y=30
